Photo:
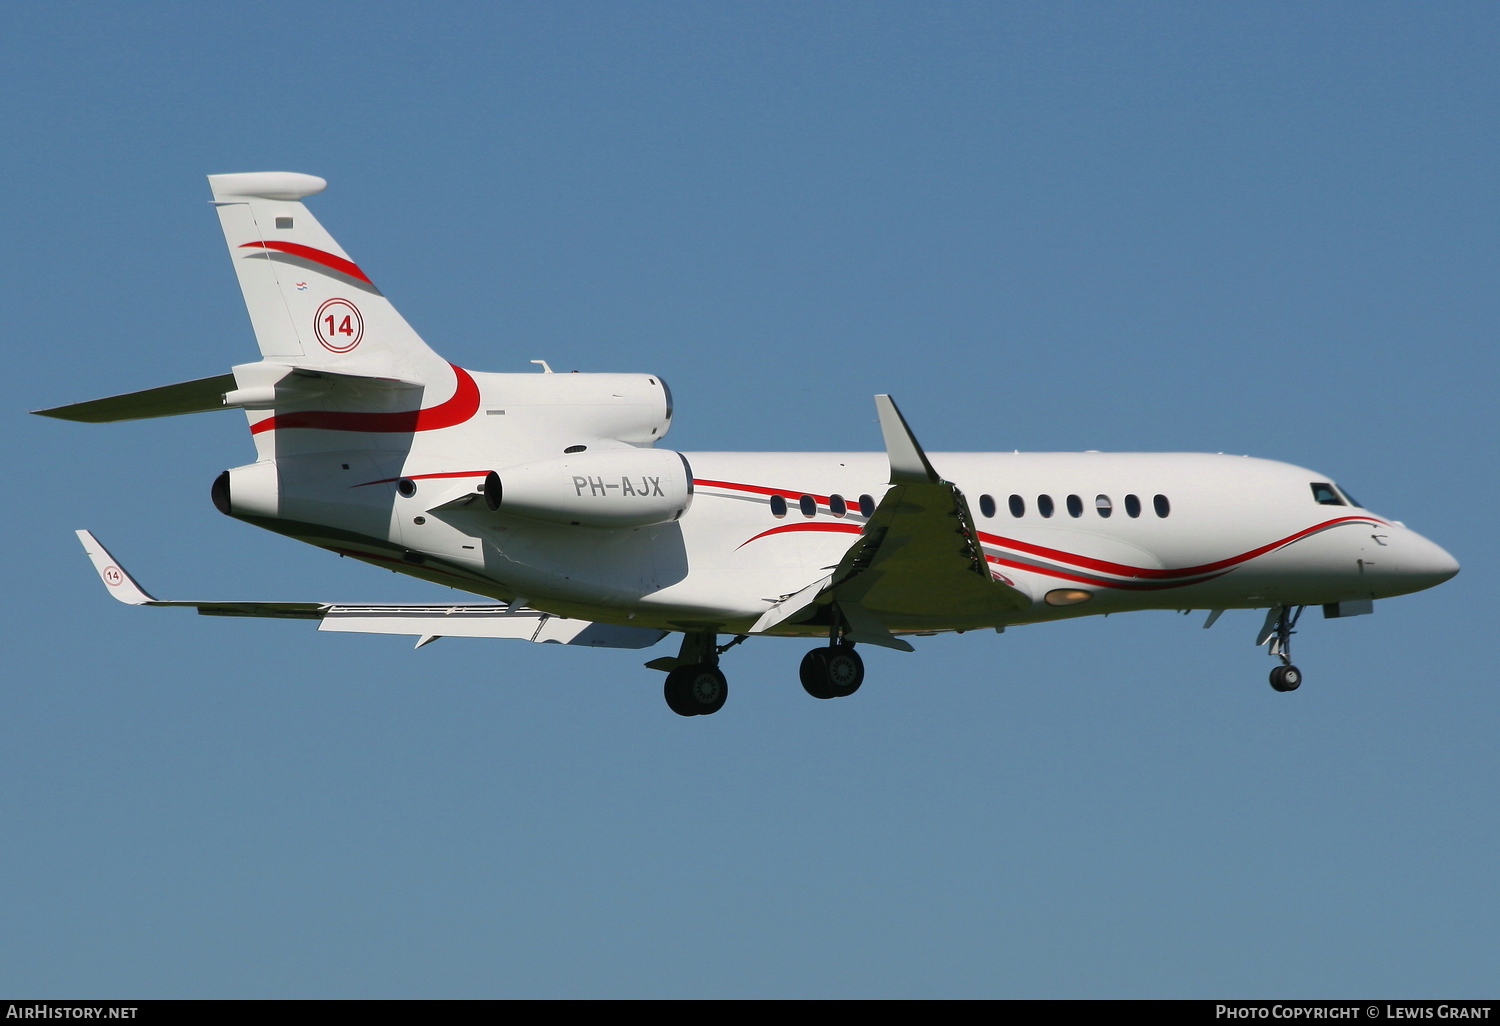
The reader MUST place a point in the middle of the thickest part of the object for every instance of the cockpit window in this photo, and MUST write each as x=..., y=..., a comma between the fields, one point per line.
x=1325, y=495
x=1351, y=499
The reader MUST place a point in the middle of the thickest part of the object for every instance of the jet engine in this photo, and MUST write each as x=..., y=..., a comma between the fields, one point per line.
x=610, y=488
x=252, y=490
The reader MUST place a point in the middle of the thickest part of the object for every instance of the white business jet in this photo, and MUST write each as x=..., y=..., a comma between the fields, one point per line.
x=550, y=495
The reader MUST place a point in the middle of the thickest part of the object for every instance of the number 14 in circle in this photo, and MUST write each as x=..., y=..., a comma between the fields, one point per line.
x=338, y=325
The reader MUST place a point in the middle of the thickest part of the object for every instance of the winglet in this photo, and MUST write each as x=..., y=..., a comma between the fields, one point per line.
x=908, y=462
x=116, y=581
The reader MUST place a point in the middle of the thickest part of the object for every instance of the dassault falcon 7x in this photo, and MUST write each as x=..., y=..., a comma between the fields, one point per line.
x=552, y=496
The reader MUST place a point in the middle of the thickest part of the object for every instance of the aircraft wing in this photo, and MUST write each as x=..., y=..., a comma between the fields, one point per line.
x=425, y=622
x=917, y=561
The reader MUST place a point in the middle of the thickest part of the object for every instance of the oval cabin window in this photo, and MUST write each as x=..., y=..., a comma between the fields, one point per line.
x=1017, y=506
x=778, y=506
x=1075, y=506
x=1163, y=507
x=987, y=505
x=809, y=506
x=837, y=506
x=1044, y=505
x=1103, y=506
x=1132, y=506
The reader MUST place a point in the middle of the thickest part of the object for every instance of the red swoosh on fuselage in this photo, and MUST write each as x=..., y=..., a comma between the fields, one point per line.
x=811, y=525
x=1125, y=570
x=459, y=407
x=317, y=256
x=1203, y=572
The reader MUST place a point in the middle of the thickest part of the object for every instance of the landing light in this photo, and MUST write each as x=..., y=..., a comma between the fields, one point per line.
x=1067, y=597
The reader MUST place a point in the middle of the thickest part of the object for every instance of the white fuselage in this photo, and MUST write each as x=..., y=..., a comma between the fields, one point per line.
x=1237, y=532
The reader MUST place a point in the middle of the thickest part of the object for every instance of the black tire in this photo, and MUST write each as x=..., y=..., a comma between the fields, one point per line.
x=698, y=690
x=845, y=670
x=1286, y=678
x=814, y=674
x=675, y=694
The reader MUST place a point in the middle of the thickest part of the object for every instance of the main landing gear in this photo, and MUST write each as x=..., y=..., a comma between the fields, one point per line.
x=696, y=690
x=696, y=687
x=833, y=671
x=836, y=670
x=1280, y=626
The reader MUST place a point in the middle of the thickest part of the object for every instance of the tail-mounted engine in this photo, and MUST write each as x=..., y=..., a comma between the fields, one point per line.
x=611, y=488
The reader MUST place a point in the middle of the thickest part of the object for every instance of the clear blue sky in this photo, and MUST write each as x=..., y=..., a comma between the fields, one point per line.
x=1253, y=228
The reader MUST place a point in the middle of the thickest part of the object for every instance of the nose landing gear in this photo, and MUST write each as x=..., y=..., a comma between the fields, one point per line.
x=1279, y=627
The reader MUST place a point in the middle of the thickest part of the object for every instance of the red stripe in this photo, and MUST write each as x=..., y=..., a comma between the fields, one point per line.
x=426, y=477
x=462, y=405
x=1125, y=570
x=317, y=256
x=1097, y=581
x=811, y=525
x=758, y=490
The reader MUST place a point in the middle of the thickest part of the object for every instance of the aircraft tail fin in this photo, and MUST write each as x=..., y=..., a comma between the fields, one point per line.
x=309, y=303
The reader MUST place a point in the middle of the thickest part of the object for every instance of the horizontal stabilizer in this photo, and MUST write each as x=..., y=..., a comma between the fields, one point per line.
x=486, y=620
x=167, y=401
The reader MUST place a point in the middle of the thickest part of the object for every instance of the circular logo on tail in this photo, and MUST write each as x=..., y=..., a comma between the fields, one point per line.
x=338, y=325
x=113, y=577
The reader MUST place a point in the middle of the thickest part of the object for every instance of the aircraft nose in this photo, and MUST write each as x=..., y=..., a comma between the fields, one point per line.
x=1426, y=564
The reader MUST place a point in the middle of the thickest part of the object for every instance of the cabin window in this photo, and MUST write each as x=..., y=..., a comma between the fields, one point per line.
x=866, y=506
x=1103, y=506
x=1324, y=494
x=778, y=506
x=1132, y=506
x=1017, y=506
x=809, y=506
x=1163, y=507
x=837, y=506
x=1044, y=505
x=1075, y=506
x=987, y=505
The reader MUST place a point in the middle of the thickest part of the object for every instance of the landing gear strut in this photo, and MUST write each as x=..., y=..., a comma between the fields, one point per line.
x=1285, y=677
x=834, y=671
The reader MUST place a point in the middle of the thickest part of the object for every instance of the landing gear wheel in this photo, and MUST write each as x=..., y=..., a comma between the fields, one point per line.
x=833, y=672
x=698, y=690
x=845, y=669
x=814, y=674
x=1286, y=678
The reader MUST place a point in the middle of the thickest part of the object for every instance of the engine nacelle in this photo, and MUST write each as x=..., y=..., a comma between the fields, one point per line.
x=253, y=490
x=610, y=488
